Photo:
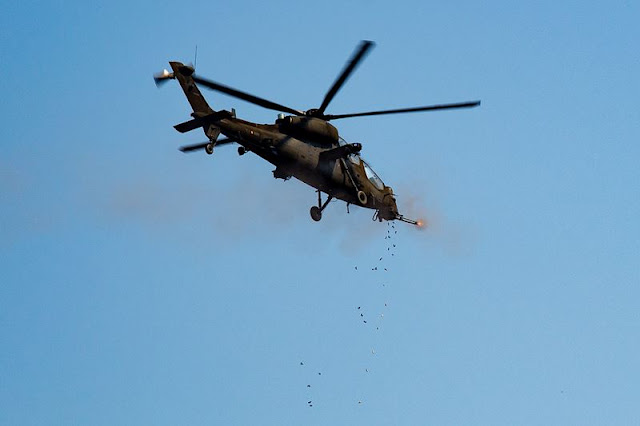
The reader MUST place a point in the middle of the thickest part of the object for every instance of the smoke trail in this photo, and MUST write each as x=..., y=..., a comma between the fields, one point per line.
x=247, y=207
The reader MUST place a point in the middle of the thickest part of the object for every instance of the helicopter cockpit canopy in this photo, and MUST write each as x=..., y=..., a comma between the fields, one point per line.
x=371, y=175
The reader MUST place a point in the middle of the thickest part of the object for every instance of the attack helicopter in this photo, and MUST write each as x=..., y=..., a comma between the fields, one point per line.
x=302, y=144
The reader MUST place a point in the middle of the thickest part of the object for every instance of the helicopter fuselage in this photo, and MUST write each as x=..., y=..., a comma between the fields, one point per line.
x=319, y=161
x=303, y=144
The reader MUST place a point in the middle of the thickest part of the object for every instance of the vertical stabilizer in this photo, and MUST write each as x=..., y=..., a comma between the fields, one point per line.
x=183, y=73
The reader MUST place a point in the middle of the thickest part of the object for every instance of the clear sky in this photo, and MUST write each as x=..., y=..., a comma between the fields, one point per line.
x=140, y=285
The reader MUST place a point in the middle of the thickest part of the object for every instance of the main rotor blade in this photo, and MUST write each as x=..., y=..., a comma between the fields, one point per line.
x=194, y=147
x=364, y=47
x=403, y=110
x=245, y=96
x=203, y=145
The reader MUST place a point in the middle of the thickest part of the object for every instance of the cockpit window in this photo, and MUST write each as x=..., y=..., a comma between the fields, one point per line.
x=373, y=177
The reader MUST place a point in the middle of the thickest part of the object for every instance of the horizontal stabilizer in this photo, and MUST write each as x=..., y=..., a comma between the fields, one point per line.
x=198, y=122
x=188, y=126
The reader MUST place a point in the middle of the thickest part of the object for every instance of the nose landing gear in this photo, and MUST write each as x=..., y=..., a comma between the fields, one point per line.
x=316, y=211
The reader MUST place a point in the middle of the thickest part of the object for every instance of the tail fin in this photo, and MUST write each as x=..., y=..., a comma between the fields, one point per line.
x=201, y=108
x=183, y=74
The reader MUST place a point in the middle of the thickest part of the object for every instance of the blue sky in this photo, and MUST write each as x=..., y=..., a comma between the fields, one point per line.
x=140, y=285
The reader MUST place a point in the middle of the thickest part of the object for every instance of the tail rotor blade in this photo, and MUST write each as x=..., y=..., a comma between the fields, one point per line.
x=161, y=77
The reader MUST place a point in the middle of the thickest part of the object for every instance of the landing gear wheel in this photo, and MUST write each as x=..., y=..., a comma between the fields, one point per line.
x=316, y=213
x=209, y=148
x=362, y=197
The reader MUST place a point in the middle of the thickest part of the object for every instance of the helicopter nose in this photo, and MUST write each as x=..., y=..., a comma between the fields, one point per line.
x=390, y=210
x=390, y=201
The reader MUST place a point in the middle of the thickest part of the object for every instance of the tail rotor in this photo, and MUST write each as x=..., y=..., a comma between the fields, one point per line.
x=161, y=77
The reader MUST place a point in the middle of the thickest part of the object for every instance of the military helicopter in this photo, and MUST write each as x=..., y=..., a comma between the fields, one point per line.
x=302, y=144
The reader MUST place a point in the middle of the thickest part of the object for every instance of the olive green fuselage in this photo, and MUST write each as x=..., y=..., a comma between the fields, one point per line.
x=306, y=148
x=303, y=159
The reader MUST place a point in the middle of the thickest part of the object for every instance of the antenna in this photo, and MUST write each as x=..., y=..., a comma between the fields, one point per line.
x=195, y=59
